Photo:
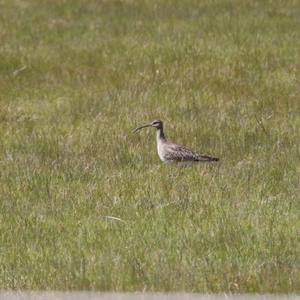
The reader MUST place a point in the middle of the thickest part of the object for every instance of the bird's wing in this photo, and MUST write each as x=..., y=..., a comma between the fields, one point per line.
x=180, y=153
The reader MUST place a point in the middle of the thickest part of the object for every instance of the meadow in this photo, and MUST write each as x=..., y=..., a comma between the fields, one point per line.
x=85, y=204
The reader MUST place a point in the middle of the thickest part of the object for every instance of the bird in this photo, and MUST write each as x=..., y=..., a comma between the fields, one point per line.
x=169, y=152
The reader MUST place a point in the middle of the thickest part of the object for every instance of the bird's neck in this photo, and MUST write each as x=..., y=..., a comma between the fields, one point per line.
x=160, y=136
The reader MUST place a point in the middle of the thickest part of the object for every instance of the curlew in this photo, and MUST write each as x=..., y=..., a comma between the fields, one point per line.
x=169, y=152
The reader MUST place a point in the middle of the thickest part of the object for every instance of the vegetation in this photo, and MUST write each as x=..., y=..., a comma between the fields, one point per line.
x=86, y=204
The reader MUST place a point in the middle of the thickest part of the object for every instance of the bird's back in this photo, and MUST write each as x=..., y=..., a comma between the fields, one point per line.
x=172, y=152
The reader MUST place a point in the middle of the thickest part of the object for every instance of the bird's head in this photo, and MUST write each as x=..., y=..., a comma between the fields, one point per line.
x=156, y=124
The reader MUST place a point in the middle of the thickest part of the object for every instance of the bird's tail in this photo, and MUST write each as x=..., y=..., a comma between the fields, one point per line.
x=207, y=158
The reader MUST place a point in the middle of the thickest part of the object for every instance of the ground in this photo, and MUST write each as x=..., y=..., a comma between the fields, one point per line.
x=86, y=204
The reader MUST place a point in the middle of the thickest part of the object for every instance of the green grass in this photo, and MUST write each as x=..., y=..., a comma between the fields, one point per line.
x=77, y=76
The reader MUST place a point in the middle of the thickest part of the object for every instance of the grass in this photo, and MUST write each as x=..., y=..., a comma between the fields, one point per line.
x=85, y=204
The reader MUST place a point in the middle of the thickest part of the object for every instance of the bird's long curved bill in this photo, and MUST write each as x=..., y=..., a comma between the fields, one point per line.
x=143, y=126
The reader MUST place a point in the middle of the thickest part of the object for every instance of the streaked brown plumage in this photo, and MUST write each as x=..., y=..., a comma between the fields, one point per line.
x=169, y=152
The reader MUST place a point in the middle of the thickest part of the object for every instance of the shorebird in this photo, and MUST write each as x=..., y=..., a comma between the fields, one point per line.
x=169, y=152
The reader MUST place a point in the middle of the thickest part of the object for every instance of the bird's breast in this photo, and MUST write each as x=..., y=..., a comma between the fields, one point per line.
x=161, y=151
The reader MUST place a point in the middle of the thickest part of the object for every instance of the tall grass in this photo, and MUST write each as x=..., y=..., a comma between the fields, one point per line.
x=85, y=204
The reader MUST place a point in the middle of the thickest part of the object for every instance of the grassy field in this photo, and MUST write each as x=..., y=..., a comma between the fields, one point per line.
x=86, y=204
